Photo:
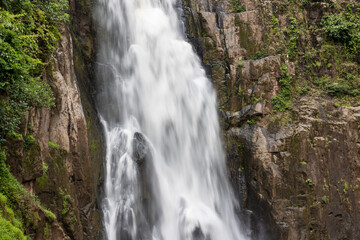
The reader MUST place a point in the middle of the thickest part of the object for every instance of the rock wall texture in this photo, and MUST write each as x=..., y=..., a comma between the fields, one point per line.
x=63, y=166
x=297, y=170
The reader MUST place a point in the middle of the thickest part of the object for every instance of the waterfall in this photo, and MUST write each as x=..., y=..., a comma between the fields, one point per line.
x=165, y=173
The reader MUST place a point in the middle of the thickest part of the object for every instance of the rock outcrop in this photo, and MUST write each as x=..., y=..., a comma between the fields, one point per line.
x=297, y=170
x=62, y=164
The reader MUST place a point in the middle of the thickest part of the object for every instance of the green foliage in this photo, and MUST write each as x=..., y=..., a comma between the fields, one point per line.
x=344, y=29
x=251, y=121
x=66, y=203
x=9, y=231
x=10, y=226
x=14, y=196
x=282, y=101
x=53, y=145
x=9, y=186
x=309, y=182
x=274, y=23
x=348, y=86
x=28, y=141
x=324, y=199
x=43, y=181
x=56, y=10
x=293, y=33
x=237, y=7
x=28, y=38
x=259, y=55
x=49, y=215
x=341, y=89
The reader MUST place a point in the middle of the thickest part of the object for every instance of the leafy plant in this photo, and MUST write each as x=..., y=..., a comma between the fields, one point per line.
x=344, y=28
x=237, y=7
x=28, y=37
x=282, y=101
x=294, y=34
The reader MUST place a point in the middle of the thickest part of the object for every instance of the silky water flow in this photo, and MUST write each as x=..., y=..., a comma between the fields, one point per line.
x=165, y=173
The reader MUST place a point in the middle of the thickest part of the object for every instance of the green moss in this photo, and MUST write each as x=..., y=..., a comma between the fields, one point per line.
x=9, y=186
x=66, y=204
x=49, y=215
x=28, y=142
x=21, y=207
x=10, y=226
x=14, y=136
x=29, y=159
x=43, y=182
x=211, y=54
x=246, y=38
x=9, y=231
x=53, y=145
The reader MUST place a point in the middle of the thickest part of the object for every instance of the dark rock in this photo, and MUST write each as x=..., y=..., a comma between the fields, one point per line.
x=140, y=148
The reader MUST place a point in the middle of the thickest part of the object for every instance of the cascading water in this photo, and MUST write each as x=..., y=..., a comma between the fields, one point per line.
x=165, y=171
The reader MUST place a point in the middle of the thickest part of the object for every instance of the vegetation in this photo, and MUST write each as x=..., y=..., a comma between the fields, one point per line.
x=344, y=29
x=325, y=66
x=294, y=34
x=53, y=145
x=28, y=37
x=10, y=227
x=18, y=208
x=237, y=7
x=309, y=182
x=10, y=192
x=259, y=55
x=282, y=101
x=29, y=33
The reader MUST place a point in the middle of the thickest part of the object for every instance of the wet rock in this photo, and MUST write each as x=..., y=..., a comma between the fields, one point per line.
x=140, y=148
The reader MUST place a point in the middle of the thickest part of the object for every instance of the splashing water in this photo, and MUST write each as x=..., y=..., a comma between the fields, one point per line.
x=165, y=171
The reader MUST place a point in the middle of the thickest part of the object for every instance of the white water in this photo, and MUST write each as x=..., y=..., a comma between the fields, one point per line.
x=153, y=84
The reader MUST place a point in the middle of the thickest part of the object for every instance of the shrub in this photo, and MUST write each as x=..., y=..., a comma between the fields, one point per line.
x=344, y=29
x=237, y=7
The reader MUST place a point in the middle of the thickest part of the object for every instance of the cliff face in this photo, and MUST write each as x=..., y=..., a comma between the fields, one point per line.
x=61, y=162
x=289, y=108
x=292, y=145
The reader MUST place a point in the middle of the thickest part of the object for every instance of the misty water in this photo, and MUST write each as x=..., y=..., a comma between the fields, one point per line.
x=165, y=173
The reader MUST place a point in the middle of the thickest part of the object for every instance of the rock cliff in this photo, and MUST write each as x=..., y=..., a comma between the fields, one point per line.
x=292, y=144
x=60, y=157
x=288, y=96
